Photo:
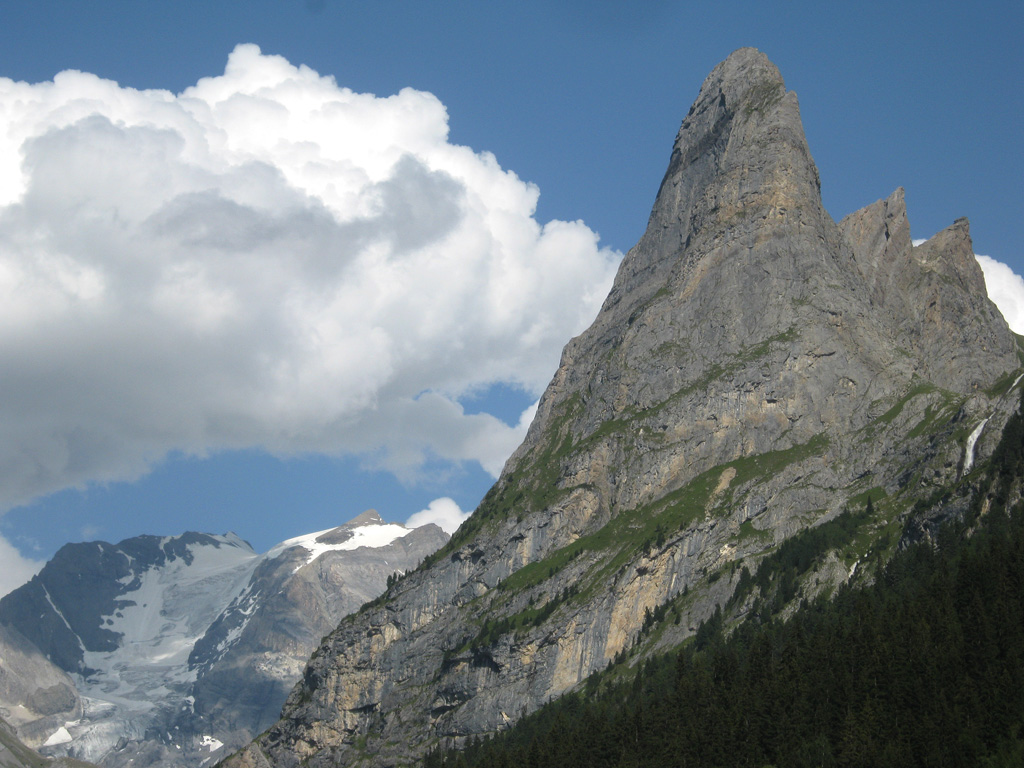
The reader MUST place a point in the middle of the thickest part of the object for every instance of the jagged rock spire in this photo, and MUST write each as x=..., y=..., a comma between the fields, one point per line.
x=754, y=368
x=740, y=159
x=741, y=147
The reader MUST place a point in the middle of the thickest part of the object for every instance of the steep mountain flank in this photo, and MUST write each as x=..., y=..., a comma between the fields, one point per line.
x=251, y=656
x=185, y=646
x=924, y=666
x=36, y=696
x=755, y=369
x=15, y=754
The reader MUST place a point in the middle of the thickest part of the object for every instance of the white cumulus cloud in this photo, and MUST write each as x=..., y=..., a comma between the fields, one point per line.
x=265, y=260
x=15, y=569
x=442, y=512
x=1006, y=289
x=445, y=512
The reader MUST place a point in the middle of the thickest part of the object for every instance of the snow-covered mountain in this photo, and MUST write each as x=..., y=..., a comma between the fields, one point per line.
x=183, y=646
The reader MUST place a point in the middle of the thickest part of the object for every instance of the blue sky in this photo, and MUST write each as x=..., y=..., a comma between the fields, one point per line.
x=580, y=101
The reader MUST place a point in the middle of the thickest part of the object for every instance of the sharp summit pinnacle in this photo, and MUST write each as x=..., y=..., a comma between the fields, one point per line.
x=756, y=370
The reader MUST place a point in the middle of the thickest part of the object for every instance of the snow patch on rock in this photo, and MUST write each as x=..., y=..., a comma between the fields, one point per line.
x=211, y=743
x=60, y=736
x=373, y=536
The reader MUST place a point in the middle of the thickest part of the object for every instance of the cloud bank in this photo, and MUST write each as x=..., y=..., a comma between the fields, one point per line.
x=15, y=569
x=1006, y=289
x=265, y=260
x=443, y=512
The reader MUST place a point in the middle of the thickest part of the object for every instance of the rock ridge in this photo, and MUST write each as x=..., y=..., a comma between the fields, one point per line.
x=755, y=370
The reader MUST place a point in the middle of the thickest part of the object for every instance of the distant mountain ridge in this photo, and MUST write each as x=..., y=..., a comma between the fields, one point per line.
x=756, y=369
x=182, y=645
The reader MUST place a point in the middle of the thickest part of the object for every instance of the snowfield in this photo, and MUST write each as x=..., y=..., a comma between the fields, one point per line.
x=373, y=536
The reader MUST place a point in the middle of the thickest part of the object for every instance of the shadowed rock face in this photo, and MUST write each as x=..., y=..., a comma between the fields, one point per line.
x=755, y=368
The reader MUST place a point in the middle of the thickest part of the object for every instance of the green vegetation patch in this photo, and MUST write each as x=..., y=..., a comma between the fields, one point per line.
x=747, y=532
x=648, y=527
x=494, y=628
x=1003, y=384
x=889, y=416
x=937, y=415
x=778, y=574
x=537, y=572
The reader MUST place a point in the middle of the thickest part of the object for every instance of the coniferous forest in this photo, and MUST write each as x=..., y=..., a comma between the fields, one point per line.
x=923, y=667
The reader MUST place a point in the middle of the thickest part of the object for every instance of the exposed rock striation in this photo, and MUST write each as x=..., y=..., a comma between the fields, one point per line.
x=755, y=369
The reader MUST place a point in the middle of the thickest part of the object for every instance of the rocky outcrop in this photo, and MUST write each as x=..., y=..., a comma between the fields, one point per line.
x=13, y=753
x=755, y=369
x=36, y=697
x=933, y=295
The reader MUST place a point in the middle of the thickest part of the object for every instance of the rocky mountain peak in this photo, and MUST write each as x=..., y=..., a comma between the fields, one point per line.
x=740, y=155
x=738, y=252
x=931, y=297
x=950, y=252
x=755, y=370
x=879, y=236
x=741, y=144
x=345, y=532
x=737, y=239
x=369, y=517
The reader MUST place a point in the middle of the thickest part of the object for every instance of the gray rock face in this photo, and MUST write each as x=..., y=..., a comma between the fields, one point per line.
x=252, y=656
x=187, y=646
x=755, y=369
x=933, y=296
x=14, y=753
x=36, y=697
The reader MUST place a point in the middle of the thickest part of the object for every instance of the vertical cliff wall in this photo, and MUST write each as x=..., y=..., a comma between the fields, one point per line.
x=756, y=369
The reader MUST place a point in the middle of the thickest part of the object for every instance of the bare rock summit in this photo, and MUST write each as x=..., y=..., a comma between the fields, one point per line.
x=756, y=369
